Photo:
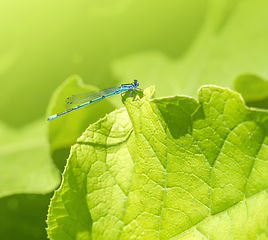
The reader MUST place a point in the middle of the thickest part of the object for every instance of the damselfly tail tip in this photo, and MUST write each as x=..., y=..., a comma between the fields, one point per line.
x=51, y=117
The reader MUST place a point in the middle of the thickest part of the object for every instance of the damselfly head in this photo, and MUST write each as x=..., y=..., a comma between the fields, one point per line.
x=135, y=83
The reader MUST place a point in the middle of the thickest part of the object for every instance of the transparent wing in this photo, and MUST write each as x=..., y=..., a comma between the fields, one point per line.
x=81, y=98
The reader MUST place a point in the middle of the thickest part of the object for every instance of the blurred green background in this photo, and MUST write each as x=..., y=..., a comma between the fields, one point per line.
x=177, y=45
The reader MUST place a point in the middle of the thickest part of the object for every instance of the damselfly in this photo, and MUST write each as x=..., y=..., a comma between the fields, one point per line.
x=79, y=100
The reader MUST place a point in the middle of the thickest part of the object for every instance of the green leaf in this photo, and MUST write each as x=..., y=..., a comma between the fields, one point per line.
x=26, y=166
x=253, y=89
x=61, y=135
x=169, y=167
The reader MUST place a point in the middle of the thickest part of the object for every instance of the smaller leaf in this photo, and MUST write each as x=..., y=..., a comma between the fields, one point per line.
x=26, y=166
x=253, y=89
x=64, y=130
